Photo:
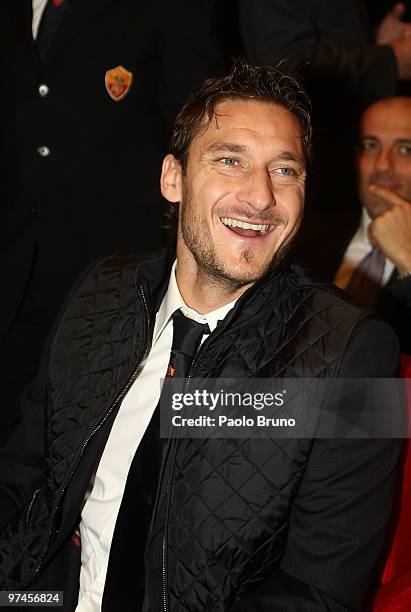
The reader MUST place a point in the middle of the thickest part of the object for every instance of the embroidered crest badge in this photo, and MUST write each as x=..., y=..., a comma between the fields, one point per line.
x=170, y=372
x=118, y=82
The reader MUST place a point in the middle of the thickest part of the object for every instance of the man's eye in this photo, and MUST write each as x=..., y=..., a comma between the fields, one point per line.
x=229, y=161
x=367, y=145
x=405, y=149
x=286, y=171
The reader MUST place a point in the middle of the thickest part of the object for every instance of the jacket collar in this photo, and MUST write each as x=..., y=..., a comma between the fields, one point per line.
x=154, y=272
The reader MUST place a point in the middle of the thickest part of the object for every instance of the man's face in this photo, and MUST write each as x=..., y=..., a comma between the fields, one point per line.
x=384, y=155
x=243, y=191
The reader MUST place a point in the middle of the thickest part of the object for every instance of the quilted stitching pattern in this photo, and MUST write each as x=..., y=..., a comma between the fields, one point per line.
x=94, y=354
x=21, y=544
x=230, y=498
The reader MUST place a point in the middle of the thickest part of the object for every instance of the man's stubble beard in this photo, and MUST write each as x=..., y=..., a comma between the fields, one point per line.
x=195, y=233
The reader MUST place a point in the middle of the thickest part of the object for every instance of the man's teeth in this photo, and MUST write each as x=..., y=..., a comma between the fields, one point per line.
x=244, y=225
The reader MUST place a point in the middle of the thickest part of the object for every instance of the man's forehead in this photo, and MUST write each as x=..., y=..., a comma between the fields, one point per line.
x=389, y=119
x=249, y=114
x=249, y=119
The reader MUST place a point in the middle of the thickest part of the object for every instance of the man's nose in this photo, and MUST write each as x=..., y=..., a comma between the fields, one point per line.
x=257, y=190
x=384, y=160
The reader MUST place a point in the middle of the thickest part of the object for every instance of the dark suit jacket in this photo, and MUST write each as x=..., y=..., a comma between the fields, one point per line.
x=320, y=248
x=324, y=521
x=330, y=44
x=331, y=41
x=98, y=189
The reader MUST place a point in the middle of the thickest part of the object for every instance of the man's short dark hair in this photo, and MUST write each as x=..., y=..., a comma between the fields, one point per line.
x=243, y=82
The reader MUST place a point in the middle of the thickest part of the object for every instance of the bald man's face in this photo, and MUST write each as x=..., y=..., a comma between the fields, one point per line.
x=384, y=155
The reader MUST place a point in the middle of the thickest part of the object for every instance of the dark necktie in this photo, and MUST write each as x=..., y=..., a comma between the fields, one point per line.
x=365, y=282
x=124, y=586
x=51, y=20
x=187, y=335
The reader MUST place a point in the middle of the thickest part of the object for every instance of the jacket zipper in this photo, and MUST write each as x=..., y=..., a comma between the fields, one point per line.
x=165, y=594
x=31, y=506
x=119, y=397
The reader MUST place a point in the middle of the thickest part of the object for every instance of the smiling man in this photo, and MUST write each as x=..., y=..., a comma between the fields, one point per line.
x=95, y=503
x=376, y=267
x=242, y=192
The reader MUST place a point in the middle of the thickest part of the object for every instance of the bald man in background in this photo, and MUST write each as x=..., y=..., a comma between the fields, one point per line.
x=372, y=259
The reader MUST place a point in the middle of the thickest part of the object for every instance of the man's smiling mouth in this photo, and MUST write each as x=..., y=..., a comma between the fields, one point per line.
x=244, y=228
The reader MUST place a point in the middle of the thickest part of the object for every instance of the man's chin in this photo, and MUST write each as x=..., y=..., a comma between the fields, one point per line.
x=232, y=274
x=376, y=206
x=240, y=274
x=251, y=268
x=236, y=270
x=247, y=276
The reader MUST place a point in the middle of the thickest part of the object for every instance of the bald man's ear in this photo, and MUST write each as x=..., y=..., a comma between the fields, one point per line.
x=171, y=179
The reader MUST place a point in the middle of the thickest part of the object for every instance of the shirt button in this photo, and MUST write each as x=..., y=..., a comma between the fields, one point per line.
x=43, y=90
x=43, y=151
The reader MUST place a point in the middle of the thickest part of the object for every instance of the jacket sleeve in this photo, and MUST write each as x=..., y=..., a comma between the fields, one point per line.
x=328, y=38
x=338, y=518
x=23, y=458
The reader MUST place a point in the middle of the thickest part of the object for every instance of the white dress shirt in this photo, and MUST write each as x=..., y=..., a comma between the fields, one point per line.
x=99, y=515
x=358, y=248
x=38, y=8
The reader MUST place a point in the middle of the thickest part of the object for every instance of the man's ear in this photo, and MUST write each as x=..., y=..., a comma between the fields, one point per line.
x=171, y=179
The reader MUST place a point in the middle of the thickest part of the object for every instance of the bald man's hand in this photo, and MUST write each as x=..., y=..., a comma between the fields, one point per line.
x=391, y=27
x=391, y=231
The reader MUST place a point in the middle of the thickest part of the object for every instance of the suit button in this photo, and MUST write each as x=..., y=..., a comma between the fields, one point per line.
x=43, y=151
x=43, y=90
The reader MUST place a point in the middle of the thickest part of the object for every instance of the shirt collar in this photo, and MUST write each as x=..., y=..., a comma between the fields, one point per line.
x=362, y=233
x=360, y=242
x=173, y=301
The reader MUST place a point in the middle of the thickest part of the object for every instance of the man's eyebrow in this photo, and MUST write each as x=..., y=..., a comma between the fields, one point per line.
x=290, y=156
x=376, y=139
x=227, y=147
x=368, y=137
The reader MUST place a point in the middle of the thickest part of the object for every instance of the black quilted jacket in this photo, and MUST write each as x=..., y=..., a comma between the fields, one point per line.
x=287, y=516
